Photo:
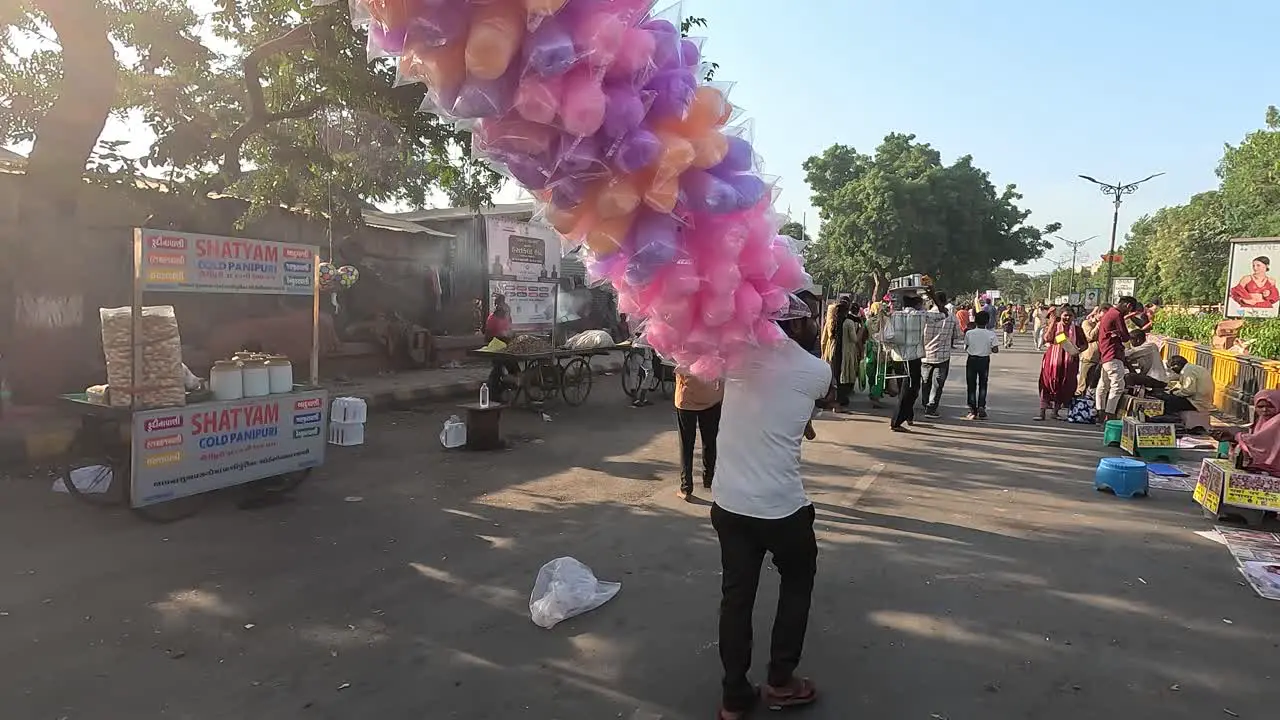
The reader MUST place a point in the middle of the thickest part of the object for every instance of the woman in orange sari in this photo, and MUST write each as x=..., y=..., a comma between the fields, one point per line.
x=1059, y=368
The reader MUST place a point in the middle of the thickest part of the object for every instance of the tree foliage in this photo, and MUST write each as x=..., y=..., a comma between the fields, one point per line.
x=902, y=210
x=272, y=100
x=1179, y=254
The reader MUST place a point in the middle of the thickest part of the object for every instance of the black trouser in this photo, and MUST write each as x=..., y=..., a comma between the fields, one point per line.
x=910, y=391
x=934, y=373
x=689, y=421
x=743, y=543
x=843, y=392
x=1173, y=404
x=976, y=373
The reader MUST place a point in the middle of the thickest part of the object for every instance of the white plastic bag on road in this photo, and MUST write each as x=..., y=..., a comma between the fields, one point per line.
x=566, y=588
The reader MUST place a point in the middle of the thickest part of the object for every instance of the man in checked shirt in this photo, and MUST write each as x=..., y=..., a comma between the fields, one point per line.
x=941, y=333
x=904, y=334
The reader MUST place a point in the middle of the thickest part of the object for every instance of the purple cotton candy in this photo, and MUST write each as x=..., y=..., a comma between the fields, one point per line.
x=549, y=49
x=636, y=151
x=689, y=53
x=579, y=157
x=623, y=110
x=749, y=188
x=526, y=170
x=568, y=193
x=666, y=48
x=388, y=40
x=704, y=192
x=673, y=91
x=655, y=240
x=739, y=158
x=487, y=98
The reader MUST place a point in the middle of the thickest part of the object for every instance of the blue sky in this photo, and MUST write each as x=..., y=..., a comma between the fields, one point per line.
x=1036, y=91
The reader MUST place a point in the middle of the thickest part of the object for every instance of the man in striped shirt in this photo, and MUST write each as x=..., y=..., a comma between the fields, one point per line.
x=941, y=333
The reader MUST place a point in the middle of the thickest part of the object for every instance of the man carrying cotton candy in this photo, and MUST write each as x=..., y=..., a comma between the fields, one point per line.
x=760, y=507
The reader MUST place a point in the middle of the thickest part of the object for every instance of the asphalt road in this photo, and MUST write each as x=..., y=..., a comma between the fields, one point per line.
x=967, y=571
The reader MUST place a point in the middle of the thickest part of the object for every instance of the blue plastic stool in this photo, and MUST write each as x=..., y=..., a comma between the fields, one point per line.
x=1123, y=476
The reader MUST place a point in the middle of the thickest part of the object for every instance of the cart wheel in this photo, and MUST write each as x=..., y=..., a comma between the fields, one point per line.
x=103, y=481
x=632, y=367
x=575, y=381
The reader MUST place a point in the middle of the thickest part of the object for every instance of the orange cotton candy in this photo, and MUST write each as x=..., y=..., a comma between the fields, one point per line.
x=709, y=149
x=441, y=69
x=617, y=198
x=676, y=155
x=606, y=236
x=709, y=109
x=497, y=28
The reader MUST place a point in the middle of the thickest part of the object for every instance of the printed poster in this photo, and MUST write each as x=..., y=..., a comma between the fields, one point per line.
x=1251, y=283
x=522, y=251
x=1122, y=286
x=533, y=304
x=1208, y=492
x=1252, y=490
x=190, y=262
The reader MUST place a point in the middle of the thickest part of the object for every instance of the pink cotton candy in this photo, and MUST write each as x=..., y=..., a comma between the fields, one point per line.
x=774, y=299
x=768, y=333
x=790, y=274
x=747, y=302
x=538, y=98
x=635, y=53
x=757, y=261
x=599, y=33
x=708, y=367
x=681, y=280
x=716, y=309
x=583, y=103
x=723, y=277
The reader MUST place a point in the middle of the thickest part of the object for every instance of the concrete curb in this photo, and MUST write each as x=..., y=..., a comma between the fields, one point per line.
x=441, y=391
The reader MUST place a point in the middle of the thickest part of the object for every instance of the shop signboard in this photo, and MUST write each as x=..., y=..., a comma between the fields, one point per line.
x=522, y=251
x=188, y=450
x=190, y=262
x=1122, y=286
x=1252, y=490
x=1208, y=492
x=1252, y=289
x=533, y=304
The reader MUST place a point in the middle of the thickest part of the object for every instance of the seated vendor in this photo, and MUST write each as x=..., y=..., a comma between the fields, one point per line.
x=1143, y=358
x=1259, y=447
x=1191, y=388
x=498, y=327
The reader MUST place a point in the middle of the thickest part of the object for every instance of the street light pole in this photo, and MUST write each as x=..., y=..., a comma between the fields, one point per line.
x=1116, y=193
x=1075, y=250
x=1057, y=265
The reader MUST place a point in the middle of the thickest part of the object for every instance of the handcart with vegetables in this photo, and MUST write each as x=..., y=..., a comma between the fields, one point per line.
x=152, y=437
x=543, y=371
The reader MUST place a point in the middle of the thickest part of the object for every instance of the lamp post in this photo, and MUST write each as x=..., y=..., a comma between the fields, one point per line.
x=1057, y=265
x=1116, y=192
x=1075, y=249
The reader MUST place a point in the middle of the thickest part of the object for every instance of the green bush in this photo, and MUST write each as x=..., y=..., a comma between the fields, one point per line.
x=1263, y=334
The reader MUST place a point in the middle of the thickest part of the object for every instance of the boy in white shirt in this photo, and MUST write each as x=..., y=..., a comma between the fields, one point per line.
x=979, y=344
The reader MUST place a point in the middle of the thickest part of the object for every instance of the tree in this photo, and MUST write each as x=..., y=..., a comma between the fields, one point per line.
x=686, y=26
x=1180, y=253
x=268, y=99
x=902, y=210
x=795, y=231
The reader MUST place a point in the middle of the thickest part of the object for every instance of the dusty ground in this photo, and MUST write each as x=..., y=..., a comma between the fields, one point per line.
x=967, y=572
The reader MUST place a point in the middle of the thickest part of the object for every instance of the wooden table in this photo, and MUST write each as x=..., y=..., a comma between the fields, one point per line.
x=484, y=426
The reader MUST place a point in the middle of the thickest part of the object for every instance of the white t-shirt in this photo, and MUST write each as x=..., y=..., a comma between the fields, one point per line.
x=979, y=342
x=762, y=425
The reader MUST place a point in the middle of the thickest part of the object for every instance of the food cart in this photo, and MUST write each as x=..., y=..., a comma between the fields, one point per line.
x=169, y=458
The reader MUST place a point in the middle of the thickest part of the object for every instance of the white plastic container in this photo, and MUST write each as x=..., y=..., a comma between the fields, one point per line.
x=454, y=434
x=226, y=380
x=346, y=434
x=257, y=381
x=484, y=395
x=280, y=374
x=348, y=410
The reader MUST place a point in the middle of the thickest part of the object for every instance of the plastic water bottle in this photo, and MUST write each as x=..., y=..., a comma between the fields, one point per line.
x=484, y=395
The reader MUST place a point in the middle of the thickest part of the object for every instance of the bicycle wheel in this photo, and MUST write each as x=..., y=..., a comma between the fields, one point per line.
x=632, y=376
x=538, y=384
x=575, y=381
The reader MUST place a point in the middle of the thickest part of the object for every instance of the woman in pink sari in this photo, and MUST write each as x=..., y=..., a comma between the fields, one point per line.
x=1058, y=368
